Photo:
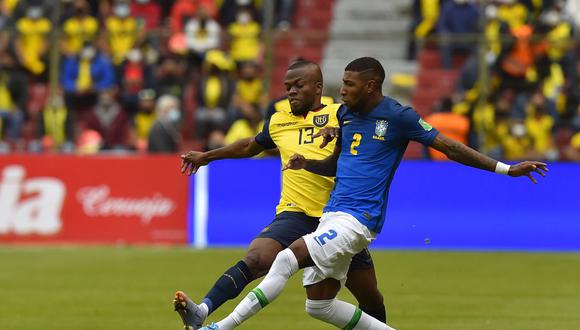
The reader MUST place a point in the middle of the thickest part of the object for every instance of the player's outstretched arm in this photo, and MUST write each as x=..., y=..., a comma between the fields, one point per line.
x=244, y=148
x=324, y=167
x=465, y=155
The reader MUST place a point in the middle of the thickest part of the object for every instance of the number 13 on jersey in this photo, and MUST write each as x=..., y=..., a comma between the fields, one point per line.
x=356, y=139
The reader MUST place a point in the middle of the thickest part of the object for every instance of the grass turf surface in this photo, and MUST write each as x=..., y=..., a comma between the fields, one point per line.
x=131, y=288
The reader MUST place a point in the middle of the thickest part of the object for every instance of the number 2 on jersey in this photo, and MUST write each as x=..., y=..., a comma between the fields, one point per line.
x=321, y=239
x=356, y=139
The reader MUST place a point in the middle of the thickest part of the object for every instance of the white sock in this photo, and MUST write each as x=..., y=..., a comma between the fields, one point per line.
x=284, y=266
x=204, y=309
x=343, y=315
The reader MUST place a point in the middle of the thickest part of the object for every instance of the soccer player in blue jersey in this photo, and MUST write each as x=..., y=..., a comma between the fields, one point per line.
x=291, y=128
x=374, y=133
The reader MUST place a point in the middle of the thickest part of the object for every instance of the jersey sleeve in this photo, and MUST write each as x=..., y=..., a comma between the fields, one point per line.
x=270, y=110
x=415, y=128
x=340, y=113
x=263, y=138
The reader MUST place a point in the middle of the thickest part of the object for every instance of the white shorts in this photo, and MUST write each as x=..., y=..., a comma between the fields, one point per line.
x=338, y=237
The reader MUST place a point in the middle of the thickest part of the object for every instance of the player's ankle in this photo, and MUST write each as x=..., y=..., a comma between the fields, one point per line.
x=204, y=309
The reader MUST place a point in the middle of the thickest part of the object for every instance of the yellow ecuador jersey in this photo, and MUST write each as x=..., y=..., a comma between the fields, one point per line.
x=302, y=191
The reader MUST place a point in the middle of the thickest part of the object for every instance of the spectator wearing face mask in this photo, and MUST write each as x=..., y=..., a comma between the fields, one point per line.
x=184, y=10
x=244, y=37
x=202, y=34
x=496, y=32
x=229, y=9
x=558, y=34
x=55, y=126
x=84, y=75
x=79, y=29
x=121, y=32
x=572, y=9
x=164, y=136
x=144, y=119
x=539, y=125
x=32, y=40
x=112, y=123
x=135, y=75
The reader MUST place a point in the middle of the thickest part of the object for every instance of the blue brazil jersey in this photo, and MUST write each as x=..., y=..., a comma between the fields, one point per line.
x=372, y=147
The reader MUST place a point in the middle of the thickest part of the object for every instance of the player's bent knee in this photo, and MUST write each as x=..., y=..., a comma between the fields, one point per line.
x=258, y=263
x=286, y=263
x=320, y=309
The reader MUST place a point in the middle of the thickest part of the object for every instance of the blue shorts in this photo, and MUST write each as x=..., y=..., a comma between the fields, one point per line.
x=290, y=226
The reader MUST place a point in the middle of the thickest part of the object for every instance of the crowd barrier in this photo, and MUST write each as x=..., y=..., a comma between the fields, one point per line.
x=146, y=200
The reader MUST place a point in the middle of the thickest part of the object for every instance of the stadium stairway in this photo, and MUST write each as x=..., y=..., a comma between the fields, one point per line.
x=433, y=84
x=374, y=29
x=306, y=39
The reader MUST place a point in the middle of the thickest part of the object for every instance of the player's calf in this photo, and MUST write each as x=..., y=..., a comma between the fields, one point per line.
x=342, y=315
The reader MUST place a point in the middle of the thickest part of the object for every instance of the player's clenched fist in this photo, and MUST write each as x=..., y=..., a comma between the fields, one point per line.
x=295, y=162
x=328, y=134
x=192, y=161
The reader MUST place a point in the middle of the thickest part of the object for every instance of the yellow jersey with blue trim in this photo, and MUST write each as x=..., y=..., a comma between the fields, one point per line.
x=302, y=191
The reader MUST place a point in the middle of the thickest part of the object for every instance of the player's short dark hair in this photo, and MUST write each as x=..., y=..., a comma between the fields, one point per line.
x=368, y=65
x=302, y=63
x=299, y=63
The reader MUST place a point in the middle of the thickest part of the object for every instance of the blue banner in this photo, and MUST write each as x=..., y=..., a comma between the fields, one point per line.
x=432, y=205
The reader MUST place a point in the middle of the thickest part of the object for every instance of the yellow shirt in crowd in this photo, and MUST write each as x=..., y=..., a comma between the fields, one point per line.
x=78, y=31
x=250, y=91
x=122, y=36
x=32, y=38
x=245, y=44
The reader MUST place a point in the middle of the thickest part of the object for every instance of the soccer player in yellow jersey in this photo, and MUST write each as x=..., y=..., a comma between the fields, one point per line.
x=302, y=198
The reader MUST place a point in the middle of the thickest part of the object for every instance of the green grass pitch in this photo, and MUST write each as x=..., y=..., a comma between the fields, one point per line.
x=131, y=288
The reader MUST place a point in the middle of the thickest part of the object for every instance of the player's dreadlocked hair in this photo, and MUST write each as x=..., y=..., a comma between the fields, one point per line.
x=370, y=66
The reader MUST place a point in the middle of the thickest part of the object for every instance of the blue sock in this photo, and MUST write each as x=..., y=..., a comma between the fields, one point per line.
x=378, y=313
x=228, y=286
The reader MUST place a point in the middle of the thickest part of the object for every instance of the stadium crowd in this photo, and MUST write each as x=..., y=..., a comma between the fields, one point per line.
x=147, y=75
x=127, y=70
x=530, y=78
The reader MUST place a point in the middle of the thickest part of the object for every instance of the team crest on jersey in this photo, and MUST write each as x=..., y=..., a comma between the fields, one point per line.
x=381, y=130
x=320, y=120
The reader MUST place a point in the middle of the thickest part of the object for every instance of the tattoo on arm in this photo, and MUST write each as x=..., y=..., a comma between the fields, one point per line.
x=463, y=154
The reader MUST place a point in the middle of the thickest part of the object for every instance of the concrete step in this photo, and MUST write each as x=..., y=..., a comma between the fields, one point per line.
x=357, y=48
x=362, y=28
